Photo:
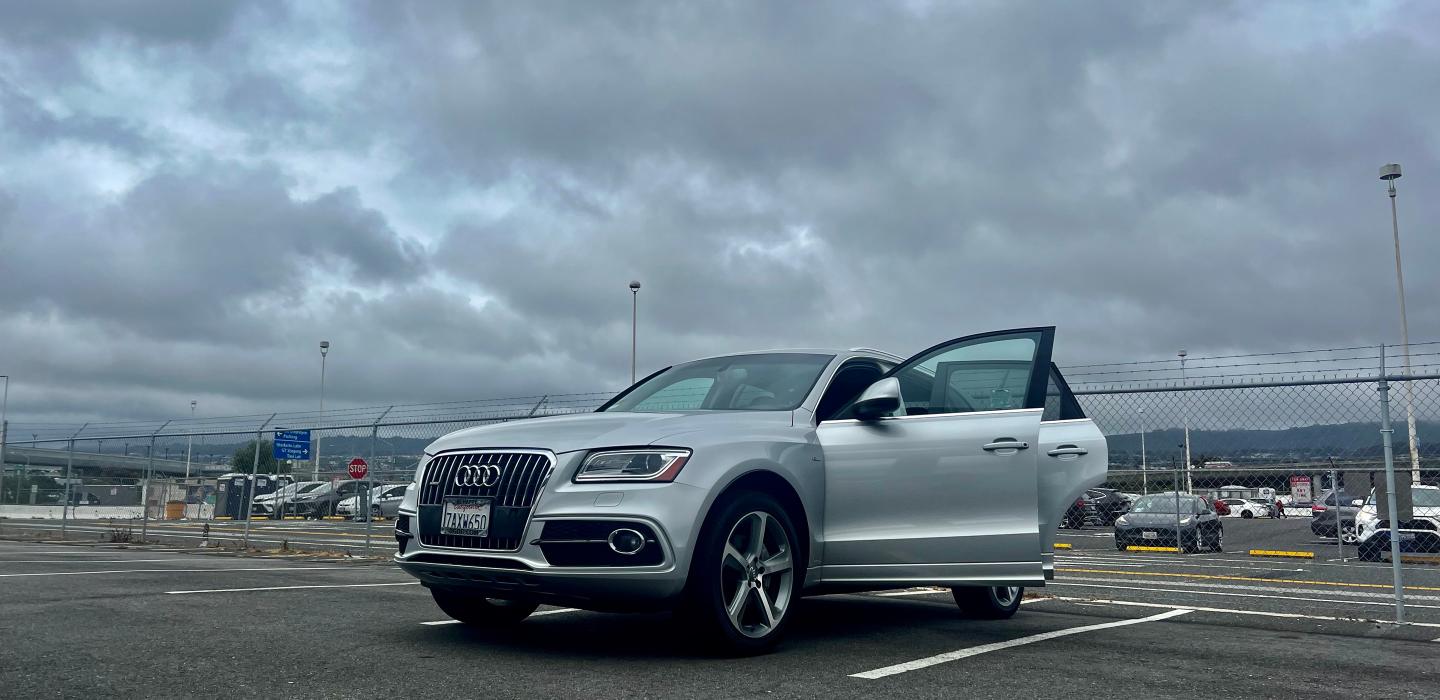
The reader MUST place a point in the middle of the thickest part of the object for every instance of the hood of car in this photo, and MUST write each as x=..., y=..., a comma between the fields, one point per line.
x=1149, y=520
x=586, y=431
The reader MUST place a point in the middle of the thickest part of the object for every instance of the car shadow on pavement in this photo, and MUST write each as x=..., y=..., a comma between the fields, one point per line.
x=820, y=621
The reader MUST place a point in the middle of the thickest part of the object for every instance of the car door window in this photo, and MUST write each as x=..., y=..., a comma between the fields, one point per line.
x=987, y=373
x=1060, y=404
x=847, y=383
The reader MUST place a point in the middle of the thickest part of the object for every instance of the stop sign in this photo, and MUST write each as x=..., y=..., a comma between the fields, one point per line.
x=358, y=468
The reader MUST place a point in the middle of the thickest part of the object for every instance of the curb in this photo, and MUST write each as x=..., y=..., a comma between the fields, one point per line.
x=1279, y=553
x=1143, y=548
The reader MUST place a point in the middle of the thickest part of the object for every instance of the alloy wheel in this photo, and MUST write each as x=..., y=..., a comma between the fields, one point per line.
x=756, y=574
x=1005, y=595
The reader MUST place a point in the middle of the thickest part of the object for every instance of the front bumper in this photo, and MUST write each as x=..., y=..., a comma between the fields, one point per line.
x=1412, y=541
x=1163, y=536
x=673, y=511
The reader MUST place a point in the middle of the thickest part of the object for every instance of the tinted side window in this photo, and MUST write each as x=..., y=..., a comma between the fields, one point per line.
x=989, y=373
x=1060, y=404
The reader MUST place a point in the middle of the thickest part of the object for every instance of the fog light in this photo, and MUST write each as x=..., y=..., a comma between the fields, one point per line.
x=626, y=541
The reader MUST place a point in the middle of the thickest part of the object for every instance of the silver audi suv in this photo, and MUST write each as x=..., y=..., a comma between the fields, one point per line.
x=728, y=487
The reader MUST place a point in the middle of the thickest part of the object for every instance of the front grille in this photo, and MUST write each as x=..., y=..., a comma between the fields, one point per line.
x=1416, y=524
x=522, y=475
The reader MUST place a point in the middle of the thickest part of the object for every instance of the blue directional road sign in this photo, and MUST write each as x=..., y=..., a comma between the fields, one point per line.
x=292, y=444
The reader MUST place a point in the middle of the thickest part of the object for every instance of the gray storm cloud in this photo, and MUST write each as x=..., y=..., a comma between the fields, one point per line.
x=456, y=194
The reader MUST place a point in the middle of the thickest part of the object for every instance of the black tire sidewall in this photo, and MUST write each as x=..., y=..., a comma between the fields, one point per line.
x=704, y=601
x=480, y=611
x=979, y=602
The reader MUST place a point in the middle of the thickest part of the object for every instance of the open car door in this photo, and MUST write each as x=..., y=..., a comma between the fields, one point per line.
x=946, y=489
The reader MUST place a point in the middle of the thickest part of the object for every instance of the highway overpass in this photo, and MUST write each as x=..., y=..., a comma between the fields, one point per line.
x=92, y=463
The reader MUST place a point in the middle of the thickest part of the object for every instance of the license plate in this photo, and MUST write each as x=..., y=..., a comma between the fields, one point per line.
x=1150, y=535
x=465, y=516
x=1407, y=536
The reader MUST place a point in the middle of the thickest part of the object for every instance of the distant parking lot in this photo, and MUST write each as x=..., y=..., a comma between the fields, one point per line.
x=161, y=621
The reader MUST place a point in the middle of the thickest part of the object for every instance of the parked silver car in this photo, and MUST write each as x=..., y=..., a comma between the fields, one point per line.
x=727, y=487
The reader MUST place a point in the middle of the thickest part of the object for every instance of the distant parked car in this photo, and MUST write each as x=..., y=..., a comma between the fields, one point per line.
x=1219, y=506
x=1242, y=508
x=386, y=502
x=1076, y=515
x=1154, y=521
x=1108, y=504
x=323, y=500
x=1334, y=506
x=1418, y=535
x=266, y=504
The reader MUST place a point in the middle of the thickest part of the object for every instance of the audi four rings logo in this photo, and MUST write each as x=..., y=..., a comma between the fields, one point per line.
x=477, y=475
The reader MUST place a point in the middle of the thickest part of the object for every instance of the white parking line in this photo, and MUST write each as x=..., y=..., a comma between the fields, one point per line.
x=85, y=561
x=997, y=646
x=1256, y=613
x=556, y=611
x=174, y=571
x=294, y=588
x=1143, y=589
x=1327, y=591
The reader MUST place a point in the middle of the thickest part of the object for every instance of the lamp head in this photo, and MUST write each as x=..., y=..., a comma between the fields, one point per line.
x=634, y=285
x=1390, y=171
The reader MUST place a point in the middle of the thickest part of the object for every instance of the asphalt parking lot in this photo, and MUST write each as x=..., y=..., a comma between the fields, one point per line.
x=158, y=621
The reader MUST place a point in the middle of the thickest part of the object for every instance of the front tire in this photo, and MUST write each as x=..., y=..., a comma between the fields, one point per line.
x=743, y=580
x=988, y=602
x=1217, y=543
x=479, y=611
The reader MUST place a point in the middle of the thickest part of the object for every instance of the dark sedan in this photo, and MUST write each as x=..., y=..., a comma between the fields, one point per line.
x=1160, y=519
x=1325, y=512
x=1108, y=504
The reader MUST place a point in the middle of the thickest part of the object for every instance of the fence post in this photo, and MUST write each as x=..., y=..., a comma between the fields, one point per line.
x=5, y=435
x=370, y=480
x=69, y=465
x=145, y=489
x=250, y=482
x=1386, y=432
x=1339, y=510
x=1175, y=480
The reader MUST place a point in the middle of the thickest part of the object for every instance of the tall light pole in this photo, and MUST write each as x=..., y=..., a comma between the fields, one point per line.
x=1186, y=411
x=324, y=350
x=1390, y=173
x=1144, y=474
x=5, y=432
x=634, y=318
x=190, y=440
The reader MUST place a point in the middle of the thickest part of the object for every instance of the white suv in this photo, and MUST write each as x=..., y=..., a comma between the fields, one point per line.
x=1420, y=534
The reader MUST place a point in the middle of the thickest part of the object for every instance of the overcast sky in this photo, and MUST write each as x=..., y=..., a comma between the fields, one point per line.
x=194, y=194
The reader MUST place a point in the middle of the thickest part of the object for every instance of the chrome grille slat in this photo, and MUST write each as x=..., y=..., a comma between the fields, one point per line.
x=523, y=474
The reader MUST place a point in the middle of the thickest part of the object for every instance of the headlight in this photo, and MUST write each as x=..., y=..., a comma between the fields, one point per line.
x=1186, y=520
x=1122, y=520
x=633, y=465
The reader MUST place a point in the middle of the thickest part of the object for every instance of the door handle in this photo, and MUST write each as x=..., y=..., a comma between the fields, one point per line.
x=1068, y=451
x=1006, y=444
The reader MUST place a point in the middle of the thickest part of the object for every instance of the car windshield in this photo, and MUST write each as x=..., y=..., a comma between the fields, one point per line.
x=1161, y=503
x=310, y=486
x=767, y=382
x=1422, y=498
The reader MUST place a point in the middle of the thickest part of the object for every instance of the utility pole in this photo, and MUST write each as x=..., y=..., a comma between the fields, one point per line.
x=1186, y=410
x=1390, y=173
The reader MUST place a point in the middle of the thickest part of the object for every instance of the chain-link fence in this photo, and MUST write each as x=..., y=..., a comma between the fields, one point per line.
x=1262, y=467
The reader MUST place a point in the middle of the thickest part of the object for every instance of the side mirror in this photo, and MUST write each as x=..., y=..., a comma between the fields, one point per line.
x=881, y=399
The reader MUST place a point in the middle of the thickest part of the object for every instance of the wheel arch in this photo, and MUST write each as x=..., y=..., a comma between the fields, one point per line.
x=771, y=483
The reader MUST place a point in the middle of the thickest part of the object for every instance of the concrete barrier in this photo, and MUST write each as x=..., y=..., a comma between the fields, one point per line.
x=76, y=512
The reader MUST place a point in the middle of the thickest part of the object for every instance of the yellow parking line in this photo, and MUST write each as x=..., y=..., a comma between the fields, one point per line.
x=1281, y=553
x=1062, y=545
x=1143, y=548
x=1213, y=577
